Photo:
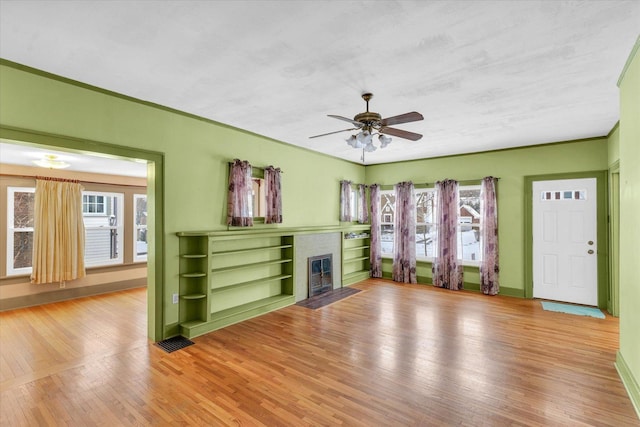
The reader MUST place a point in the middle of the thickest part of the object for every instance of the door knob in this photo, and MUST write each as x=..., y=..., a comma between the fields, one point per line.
x=590, y=242
x=590, y=251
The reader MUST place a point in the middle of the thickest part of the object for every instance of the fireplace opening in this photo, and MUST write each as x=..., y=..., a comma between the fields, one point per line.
x=320, y=274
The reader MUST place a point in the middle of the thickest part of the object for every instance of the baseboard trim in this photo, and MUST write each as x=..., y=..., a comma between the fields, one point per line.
x=70, y=293
x=629, y=382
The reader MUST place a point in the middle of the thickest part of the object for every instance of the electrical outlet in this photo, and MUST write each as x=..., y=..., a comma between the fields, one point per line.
x=175, y=298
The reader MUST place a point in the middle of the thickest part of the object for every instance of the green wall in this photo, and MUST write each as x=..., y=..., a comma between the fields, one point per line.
x=629, y=356
x=195, y=155
x=511, y=166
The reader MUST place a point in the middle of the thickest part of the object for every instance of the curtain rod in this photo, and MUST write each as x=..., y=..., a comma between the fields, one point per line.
x=433, y=183
x=79, y=180
x=259, y=167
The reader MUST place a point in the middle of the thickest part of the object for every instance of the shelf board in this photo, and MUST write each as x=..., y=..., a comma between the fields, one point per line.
x=354, y=277
x=193, y=296
x=251, y=282
x=362, y=258
x=190, y=275
x=255, y=264
x=356, y=238
x=192, y=256
x=356, y=248
x=241, y=251
x=218, y=315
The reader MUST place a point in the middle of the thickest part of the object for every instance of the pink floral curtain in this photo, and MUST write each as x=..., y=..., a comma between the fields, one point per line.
x=273, y=214
x=375, y=251
x=363, y=210
x=447, y=273
x=489, y=267
x=58, y=231
x=239, y=206
x=345, y=201
x=404, y=242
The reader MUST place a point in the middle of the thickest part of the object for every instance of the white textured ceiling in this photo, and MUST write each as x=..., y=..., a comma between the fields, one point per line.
x=486, y=75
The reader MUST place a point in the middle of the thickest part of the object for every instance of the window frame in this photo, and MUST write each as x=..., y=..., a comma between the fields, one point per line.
x=10, y=270
x=387, y=223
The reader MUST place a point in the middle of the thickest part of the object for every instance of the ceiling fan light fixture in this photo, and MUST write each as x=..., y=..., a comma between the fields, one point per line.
x=352, y=141
x=370, y=147
x=384, y=140
x=50, y=161
x=364, y=137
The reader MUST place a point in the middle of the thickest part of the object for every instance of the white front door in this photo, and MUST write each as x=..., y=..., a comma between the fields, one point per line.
x=565, y=248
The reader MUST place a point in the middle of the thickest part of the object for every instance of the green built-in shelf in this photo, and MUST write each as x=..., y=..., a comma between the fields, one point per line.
x=243, y=251
x=194, y=256
x=255, y=264
x=357, y=248
x=250, y=282
x=362, y=258
x=193, y=296
x=198, y=274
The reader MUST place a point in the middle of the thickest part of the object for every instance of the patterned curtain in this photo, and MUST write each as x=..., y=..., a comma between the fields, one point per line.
x=345, y=201
x=489, y=267
x=363, y=211
x=273, y=214
x=375, y=251
x=404, y=241
x=58, y=231
x=239, y=206
x=447, y=273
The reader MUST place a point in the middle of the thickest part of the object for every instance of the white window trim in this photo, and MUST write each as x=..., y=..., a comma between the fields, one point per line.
x=136, y=227
x=11, y=230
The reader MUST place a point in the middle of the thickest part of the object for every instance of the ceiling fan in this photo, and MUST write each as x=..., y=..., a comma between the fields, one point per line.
x=369, y=123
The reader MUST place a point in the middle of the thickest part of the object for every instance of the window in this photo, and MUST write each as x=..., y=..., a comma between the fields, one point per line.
x=468, y=223
x=387, y=211
x=20, y=205
x=425, y=223
x=140, y=227
x=103, y=223
x=93, y=204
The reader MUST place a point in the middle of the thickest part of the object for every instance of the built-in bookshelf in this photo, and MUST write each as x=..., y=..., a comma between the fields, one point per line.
x=227, y=279
x=355, y=256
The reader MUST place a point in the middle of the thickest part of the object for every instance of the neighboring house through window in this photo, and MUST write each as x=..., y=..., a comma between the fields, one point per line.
x=103, y=223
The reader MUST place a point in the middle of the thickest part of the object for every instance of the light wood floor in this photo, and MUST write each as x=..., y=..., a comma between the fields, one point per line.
x=392, y=355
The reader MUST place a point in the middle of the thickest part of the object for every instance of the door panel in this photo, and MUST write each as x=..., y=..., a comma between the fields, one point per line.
x=564, y=241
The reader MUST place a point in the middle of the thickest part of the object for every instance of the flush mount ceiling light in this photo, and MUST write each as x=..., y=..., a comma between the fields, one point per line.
x=370, y=124
x=51, y=161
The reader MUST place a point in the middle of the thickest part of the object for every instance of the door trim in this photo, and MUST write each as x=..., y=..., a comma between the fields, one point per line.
x=601, y=224
x=155, y=206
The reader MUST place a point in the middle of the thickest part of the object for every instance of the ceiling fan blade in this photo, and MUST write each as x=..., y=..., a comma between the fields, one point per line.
x=401, y=133
x=331, y=133
x=355, y=123
x=402, y=118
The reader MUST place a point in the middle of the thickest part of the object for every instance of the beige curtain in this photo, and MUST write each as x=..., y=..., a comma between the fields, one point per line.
x=58, y=231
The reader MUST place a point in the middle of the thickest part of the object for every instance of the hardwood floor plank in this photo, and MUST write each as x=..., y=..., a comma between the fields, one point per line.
x=392, y=355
